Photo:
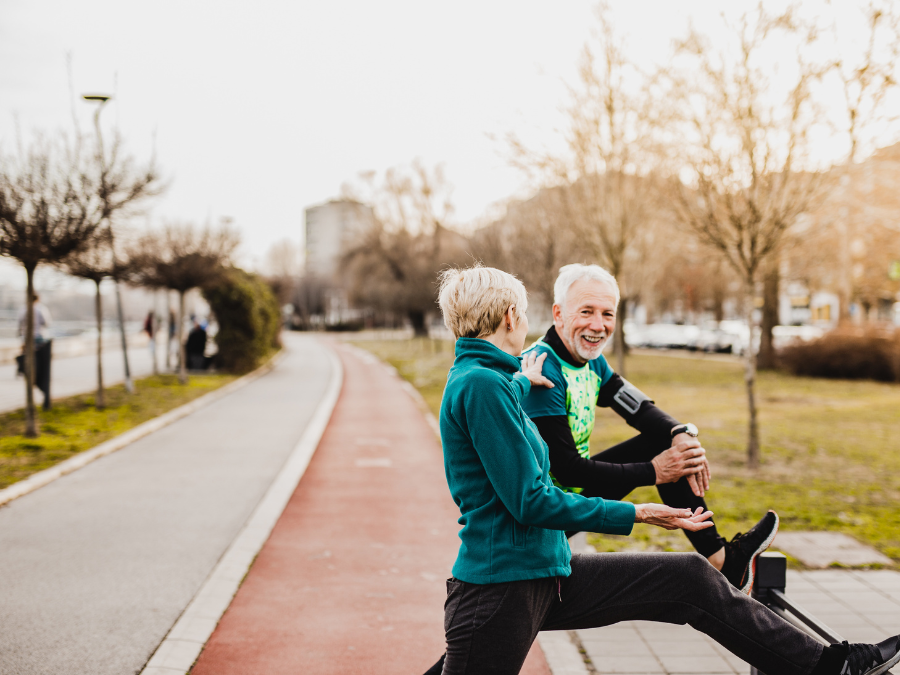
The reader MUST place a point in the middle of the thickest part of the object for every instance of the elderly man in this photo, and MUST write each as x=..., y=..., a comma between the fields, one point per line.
x=665, y=453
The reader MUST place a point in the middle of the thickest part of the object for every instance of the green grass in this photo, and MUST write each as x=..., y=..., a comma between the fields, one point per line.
x=74, y=424
x=830, y=448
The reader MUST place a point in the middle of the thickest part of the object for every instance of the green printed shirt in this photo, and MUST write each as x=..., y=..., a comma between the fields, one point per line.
x=574, y=394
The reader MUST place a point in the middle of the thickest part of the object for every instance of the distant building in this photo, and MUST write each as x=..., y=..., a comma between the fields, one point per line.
x=330, y=228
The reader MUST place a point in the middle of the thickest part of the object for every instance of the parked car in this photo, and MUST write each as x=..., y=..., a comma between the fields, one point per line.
x=726, y=337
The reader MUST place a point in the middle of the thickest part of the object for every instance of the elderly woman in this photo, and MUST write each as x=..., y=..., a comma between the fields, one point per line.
x=515, y=574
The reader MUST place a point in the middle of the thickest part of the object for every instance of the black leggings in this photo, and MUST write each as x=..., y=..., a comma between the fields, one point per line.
x=678, y=495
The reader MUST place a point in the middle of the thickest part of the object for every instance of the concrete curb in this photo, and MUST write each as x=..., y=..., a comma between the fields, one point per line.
x=42, y=478
x=184, y=642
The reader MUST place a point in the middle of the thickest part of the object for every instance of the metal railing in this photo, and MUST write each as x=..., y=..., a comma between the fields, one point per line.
x=769, y=588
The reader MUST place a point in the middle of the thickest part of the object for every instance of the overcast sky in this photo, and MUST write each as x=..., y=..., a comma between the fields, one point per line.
x=261, y=109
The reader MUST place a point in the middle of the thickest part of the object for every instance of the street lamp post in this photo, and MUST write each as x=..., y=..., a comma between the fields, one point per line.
x=102, y=99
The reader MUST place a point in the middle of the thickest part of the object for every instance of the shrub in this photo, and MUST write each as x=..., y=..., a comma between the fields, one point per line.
x=847, y=354
x=249, y=320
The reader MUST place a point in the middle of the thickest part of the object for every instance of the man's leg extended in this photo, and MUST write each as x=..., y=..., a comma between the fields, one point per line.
x=679, y=588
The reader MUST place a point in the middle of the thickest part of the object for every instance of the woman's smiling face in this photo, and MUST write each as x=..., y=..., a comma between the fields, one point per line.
x=588, y=318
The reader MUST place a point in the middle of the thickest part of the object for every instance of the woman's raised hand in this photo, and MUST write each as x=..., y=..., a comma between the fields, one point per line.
x=531, y=368
x=673, y=519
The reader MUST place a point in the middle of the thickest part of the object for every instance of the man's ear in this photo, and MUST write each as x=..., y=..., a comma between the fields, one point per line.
x=557, y=315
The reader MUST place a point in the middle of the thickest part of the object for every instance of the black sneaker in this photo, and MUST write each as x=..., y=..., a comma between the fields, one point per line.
x=865, y=659
x=742, y=551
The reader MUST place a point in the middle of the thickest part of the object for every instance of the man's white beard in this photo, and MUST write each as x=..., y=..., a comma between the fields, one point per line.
x=584, y=353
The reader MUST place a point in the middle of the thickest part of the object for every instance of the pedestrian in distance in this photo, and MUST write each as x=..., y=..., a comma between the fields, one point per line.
x=42, y=321
x=150, y=325
x=515, y=574
x=196, y=346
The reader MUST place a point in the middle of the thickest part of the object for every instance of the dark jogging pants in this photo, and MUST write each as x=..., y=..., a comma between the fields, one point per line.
x=491, y=627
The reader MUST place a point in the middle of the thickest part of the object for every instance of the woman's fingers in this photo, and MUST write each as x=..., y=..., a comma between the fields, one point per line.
x=691, y=526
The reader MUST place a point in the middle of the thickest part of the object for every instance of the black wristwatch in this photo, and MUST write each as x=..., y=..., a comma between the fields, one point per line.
x=689, y=429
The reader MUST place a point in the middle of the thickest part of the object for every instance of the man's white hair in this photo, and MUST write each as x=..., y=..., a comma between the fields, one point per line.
x=569, y=274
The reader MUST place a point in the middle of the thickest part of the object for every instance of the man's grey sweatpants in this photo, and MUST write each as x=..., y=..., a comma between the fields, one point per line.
x=491, y=627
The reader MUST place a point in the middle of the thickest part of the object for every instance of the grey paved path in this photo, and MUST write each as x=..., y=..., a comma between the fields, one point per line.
x=96, y=567
x=862, y=606
x=75, y=375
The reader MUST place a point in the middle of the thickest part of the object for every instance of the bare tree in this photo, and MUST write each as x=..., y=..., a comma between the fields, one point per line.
x=43, y=219
x=94, y=263
x=608, y=167
x=119, y=187
x=741, y=182
x=283, y=266
x=530, y=241
x=867, y=79
x=181, y=257
x=394, y=264
x=122, y=188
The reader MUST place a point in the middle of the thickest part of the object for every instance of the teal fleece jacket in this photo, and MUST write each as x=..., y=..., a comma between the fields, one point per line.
x=497, y=467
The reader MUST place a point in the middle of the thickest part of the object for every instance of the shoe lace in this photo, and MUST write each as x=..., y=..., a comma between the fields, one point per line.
x=860, y=658
x=740, y=543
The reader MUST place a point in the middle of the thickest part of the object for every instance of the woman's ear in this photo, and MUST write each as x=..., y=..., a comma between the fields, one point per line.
x=511, y=317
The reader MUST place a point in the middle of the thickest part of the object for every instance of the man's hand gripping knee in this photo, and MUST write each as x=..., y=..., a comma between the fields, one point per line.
x=686, y=458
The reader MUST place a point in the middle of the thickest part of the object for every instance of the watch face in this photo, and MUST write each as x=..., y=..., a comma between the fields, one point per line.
x=691, y=429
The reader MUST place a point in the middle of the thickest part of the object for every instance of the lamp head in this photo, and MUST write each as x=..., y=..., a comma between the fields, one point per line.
x=102, y=98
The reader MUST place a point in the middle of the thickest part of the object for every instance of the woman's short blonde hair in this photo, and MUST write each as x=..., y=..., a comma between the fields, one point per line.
x=473, y=301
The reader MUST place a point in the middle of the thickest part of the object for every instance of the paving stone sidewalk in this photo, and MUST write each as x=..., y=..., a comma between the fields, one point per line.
x=861, y=606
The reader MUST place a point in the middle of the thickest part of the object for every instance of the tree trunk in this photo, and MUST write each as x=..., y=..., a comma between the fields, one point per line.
x=750, y=380
x=417, y=319
x=771, y=280
x=169, y=331
x=129, y=385
x=100, y=401
x=619, y=336
x=719, y=295
x=182, y=356
x=30, y=415
x=154, y=334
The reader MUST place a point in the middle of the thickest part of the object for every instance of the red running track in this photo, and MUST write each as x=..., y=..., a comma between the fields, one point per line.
x=352, y=578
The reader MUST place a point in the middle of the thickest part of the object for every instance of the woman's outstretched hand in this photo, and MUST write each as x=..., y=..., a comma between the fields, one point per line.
x=531, y=368
x=672, y=519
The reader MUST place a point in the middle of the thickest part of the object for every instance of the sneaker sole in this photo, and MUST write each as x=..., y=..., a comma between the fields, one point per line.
x=886, y=666
x=748, y=584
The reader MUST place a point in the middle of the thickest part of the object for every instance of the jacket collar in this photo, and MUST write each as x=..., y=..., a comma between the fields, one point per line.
x=486, y=354
x=555, y=343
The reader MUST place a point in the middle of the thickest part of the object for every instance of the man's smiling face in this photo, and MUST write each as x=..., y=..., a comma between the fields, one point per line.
x=588, y=318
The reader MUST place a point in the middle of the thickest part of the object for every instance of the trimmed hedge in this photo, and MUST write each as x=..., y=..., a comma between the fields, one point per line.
x=249, y=320
x=847, y=354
